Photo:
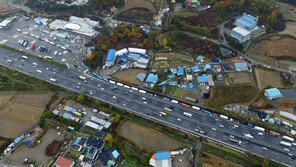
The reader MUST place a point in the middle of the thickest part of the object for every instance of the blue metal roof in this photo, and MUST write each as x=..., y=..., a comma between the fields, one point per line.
x=273, y=92
x=190, y=85
x=152, y=78
x=141, y=76
x=240, y=64
x=195, y=68
x=115, y=154
x=110, y=55
x=60, y=35
x=207, y=66
x=66, y=115
x=245, y=22
x=174, y=70
x=39, y=18
x=163, y=155
x=180, y=71
x=203, y=77
x=132, y=55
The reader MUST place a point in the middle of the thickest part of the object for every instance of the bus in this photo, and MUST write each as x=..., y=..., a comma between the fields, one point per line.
x=112, y=82
x=187, y=114
x=82, y=77
x=134, y=88
x=285, y=143
x=126, y=86
x=142, y=91
x=288, y=138
x=174, y=101
x=119, y=84
x=185, y=105
x=195, y=107
x=259, y=128
x=274, y=133
x=236, y=141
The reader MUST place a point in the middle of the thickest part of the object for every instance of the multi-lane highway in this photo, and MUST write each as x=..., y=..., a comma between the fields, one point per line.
x=215, y=128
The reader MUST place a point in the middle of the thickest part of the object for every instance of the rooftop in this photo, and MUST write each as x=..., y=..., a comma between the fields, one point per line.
x=152, y=78
x=180, y=71
x=245, y=22
x=64, y=162
x=110, y=55
x=240, y=64
x=163, y=155
x=273, y=92
x=242, y=31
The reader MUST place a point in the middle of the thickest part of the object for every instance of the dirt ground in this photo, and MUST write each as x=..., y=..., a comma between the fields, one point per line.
x=147, y=138
x=139, y=4
x=189, y=93
x=265, y=77
x=21, y=112
x=290, y=29
x=209, y=160
x=240, y=77
x=284, y=47
x=234, y=60
x=36, y=153
x=174, y=60
x=129, y=76
x=136, y=15
x=4, y=98
x=6, y=9
x=181, y=160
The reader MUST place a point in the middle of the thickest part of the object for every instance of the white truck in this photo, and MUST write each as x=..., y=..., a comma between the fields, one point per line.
x=288, y=138
x=112, y=82
x=187, y=114
x=195, y=107
x=119, y=84
x=259, y=128
x=285, y=143
x=53, y=80
x=142, y=91
x=224, y=116
x=82, y=77
x=248, y=136
x=174, y=101
x=24, y=57
x=134, y=88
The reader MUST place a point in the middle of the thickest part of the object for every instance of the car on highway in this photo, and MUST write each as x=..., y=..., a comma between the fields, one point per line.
x=231, y=136
x=214, y=129
x=264, y=148
x=179, y=119
x=286, y=149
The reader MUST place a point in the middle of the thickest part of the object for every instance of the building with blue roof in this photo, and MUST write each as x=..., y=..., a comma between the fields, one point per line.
x=272, y=93
x=60, y=35
x=152, y=78
x=174, y=70
x=115, y=154
x=38, y=20
x=241, y=67
x=247, y=21
x=133, y=56
x=203, y=79
x=180, y=71
x=195, y=69
x=207, y=66
x=110, y=58
x=163, y=155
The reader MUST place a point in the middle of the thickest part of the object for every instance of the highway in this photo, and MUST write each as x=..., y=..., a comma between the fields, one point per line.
x=145, y=105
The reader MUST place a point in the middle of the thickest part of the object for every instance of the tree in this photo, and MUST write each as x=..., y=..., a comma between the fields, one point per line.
x=109, y=138
x=116, y=118
x=80, y=98
x=165, y=42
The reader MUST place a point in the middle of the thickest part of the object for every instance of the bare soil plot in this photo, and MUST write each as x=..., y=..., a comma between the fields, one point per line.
x=266, y=77
x=139, y=4
x=240, y=78
x=20, y=113
x=203, y=19
x=234, y=60
x=209, y=160
x=147, y=138
x=189, y=93
x=4, y=98
x=39, y=100
x=290, y=29
x=129, y=76
x=136, y=15
x=37, y=153
x=173, y=60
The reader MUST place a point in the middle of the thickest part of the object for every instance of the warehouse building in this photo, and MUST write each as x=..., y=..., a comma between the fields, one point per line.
x=272, y=93
x=83, y=26
x=241, y=67
x=41, y=21
x=203, y=79
x=152, y=78
x=161, y=159
x=110, y=58
x=180, y=71
x=63, y=162
x=247, y=22
x=241, y=34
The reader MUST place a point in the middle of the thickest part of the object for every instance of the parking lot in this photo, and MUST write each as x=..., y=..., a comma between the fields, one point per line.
x=41, y=41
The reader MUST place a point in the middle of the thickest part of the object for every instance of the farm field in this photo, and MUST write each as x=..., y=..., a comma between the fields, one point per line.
x=20, y=112
x=130, y=4
x=290, y=29
x=173, y=60
x=210, y=160
x=147, y=138
x=129, y=76
x=136, y=15
x=240, y=78
x=220, y=96
x=174, y=91
x=266, y=77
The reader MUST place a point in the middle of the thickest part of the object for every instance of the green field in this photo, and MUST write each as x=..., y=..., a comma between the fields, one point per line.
x=174, y=91
x=183, y=14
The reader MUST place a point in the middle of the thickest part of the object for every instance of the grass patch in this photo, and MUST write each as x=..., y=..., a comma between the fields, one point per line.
x=89, y=131
x=73, y=155
x=183, y=14
x=174, y=91
x=220, y=96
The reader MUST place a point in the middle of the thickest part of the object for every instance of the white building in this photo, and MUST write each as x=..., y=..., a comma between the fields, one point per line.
x=241, y=34
x=83, y=26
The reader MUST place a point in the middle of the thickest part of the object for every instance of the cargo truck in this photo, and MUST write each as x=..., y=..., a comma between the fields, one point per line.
x=160, y=113
x=195, y=107
x=53, y=80
x=236, y=141
x=288, y=138
x=224, y=116
x=285, y=143
x=187, y=114
x=174, y=101
x=82, y=77
x=248, y=136
x=259, y=128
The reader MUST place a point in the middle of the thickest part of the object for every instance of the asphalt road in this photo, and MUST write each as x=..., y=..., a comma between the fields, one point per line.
x=216, y=128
